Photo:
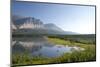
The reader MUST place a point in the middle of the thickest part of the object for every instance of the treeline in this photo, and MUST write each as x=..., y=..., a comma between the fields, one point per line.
x=27, y=35
x=85, y=39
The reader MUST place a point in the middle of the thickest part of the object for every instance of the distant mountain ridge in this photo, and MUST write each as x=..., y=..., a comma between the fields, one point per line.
x=33, y=25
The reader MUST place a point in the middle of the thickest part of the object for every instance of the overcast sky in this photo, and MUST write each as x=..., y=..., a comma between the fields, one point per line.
x=80, y=19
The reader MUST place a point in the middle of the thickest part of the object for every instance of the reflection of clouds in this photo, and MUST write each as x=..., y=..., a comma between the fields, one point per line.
x=41, y=47
x=77, y=48
x=13, y=43
x=26, y=44
x=33, y=46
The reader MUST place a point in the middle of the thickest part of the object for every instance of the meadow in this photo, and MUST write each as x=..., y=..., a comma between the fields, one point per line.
x=84, y=41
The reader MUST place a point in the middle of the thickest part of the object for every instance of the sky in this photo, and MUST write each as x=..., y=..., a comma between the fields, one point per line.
x=75, y=18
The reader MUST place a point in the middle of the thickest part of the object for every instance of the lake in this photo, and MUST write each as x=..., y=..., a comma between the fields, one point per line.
x=39, y=46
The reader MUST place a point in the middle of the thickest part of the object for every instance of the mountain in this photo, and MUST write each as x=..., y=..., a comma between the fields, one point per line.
x=36, y=26
x=15, y=17
x=27, y=20
x=51, y=26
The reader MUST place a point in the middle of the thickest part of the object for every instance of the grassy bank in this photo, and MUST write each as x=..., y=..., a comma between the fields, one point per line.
x=89, y=54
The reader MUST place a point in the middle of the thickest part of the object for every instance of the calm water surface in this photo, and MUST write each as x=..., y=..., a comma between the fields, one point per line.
x=39, y=46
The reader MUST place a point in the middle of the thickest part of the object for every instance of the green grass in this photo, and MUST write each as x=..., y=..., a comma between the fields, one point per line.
x=85, y=39
x=89, y=54
x=58, y=41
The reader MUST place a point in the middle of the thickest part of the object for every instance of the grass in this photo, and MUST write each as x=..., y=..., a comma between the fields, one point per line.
x=89, y=54
x=85, y=39
x=59, y=41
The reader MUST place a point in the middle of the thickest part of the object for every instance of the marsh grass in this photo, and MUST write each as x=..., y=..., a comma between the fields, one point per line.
x=76, y=56
x=89, y=54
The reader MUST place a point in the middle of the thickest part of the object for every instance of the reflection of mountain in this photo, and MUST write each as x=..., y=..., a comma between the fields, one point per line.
x=33, y=25
x=38, y=47
x=29, y=44
x=16, y=47
x=20, y=46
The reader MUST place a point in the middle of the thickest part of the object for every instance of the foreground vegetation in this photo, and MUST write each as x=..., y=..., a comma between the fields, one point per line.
x=89, y=54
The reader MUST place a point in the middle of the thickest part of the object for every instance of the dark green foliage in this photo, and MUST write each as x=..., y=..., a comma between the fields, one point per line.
x=85, y=39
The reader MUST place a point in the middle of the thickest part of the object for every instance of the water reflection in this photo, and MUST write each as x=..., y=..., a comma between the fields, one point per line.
x=39, y=47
